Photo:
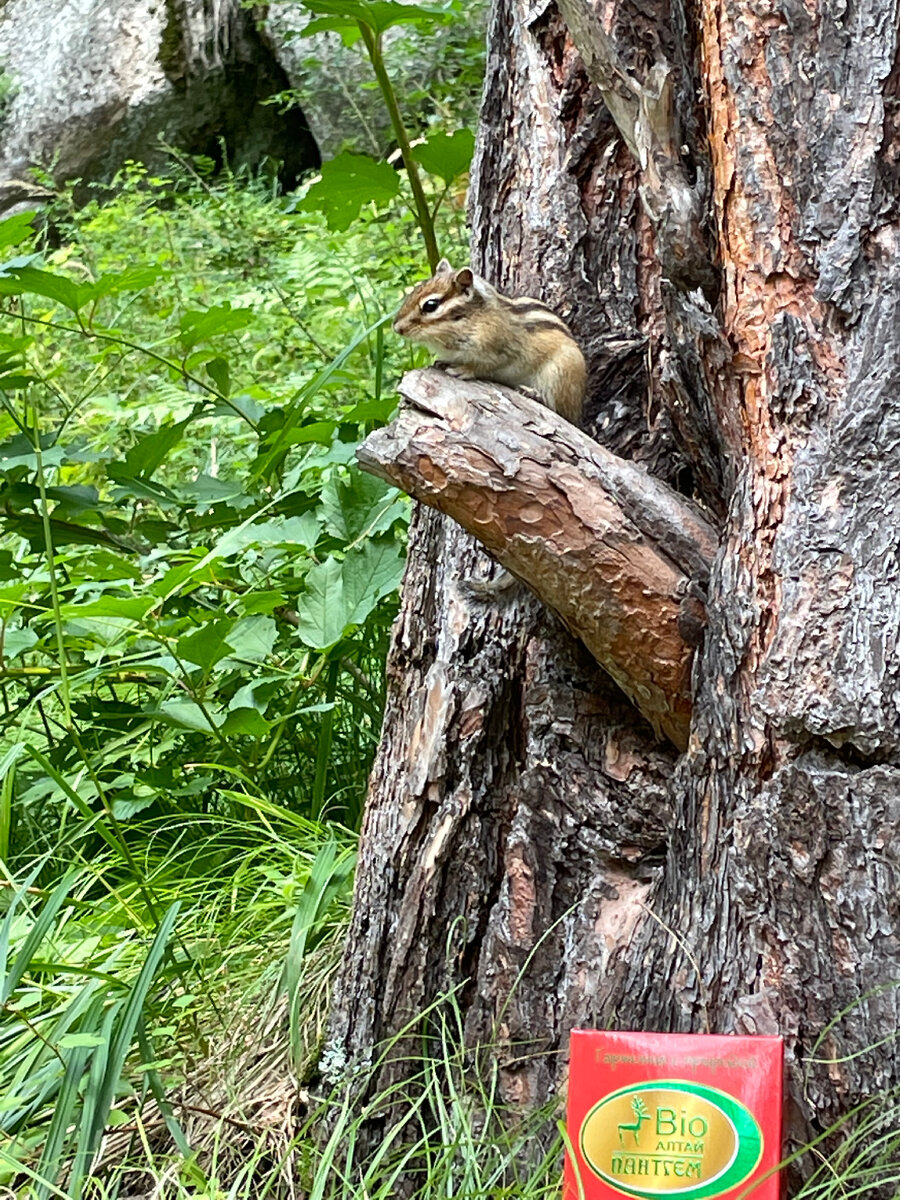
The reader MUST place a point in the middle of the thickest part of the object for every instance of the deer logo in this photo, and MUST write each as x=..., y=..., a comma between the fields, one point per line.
x=639, y=1108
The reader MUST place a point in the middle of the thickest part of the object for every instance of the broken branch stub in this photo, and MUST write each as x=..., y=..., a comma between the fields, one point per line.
x=612, y=550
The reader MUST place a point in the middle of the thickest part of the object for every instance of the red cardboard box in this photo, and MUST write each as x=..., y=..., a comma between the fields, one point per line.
x=652, y=1115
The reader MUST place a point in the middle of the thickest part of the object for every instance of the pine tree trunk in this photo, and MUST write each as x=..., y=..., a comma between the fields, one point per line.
x=527, y=837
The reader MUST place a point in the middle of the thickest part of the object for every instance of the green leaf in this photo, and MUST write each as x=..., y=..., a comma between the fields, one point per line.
x=446, y=155
x=300, y=435
x=123, y=808
x=252, y=638
x=19, y=452
x=67, y=533
x=218, y=371
x=348, y=182
x=16, y=381
x=304, y=530
x=205, y=491
x=321, y=609
x=107, y=566
x=379, y=15
x=74, y=500
x=128, y=608
x=142, y=460
x=17, y=229
x=31, y=281
x=330, y=877
x=209, y=645
x=11, y=974
x=378, y=411
x=140, y=489
x=243, y=403
x=246, y=722
x=18, y=641
x=133, y=279
x=99, y=1099
x=185, y=714
x=349, y=30
x=359, y=504
x=221, y=318
x=256, y=694
x=260, y=602
x=369, y=573
x=69, y=1041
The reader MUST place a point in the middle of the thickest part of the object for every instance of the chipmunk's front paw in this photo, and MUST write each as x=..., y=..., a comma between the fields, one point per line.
x=454, y=369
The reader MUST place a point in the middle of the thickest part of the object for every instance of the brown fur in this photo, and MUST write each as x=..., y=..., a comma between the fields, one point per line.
x=480, y=334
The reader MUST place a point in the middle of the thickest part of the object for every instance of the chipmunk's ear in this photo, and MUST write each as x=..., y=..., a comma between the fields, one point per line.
x=464, y=279
x=443, y=268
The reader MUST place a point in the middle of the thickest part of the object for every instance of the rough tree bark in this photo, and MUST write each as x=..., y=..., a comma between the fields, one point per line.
x=526, y=834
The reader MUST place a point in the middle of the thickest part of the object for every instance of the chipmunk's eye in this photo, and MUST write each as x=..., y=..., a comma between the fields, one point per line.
x=432, y=304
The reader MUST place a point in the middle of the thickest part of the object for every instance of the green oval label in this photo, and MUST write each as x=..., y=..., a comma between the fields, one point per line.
x=671, y=1137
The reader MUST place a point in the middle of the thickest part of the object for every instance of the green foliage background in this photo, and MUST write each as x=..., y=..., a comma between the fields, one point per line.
x=196, y=589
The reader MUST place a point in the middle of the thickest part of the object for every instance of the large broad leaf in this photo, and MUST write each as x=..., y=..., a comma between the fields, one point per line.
x=260, y=602
x=133, y=279
x=209, y=645
x=205, y=491
x=220, y=373
x=23, y=279
x=185, y=714
x=143, y=459
x=369, y=573
x=446, y=155
x=17, y=229
x=359, y=504
x=246, y=722
x=348, y=182
x=18, y=640
x=125, y=608
x=32, y=281
x=321, y=609
x=74, y=500
x=379, y=15
x=342, y=594
x=252, y=638
x=19, y=452
x=257, y=693
x=303, y=530
x=221, y=318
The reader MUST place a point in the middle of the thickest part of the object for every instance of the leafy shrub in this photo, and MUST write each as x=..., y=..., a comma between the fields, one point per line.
x=196, y=581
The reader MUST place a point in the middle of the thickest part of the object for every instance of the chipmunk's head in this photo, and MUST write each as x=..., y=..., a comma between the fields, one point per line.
x=435, y=311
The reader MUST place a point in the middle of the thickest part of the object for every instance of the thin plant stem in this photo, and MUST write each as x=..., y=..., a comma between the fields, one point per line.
x=373, y=45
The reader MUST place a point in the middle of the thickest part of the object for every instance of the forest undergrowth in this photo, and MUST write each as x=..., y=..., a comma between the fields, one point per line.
x=196, y=589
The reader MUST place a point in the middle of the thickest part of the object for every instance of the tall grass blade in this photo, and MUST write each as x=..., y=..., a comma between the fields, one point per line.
x=328, y=878
x=36, y=935
x=108, y=1059
x=52, y=1162
x=6, y=925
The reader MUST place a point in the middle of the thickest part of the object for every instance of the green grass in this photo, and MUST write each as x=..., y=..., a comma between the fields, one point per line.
x=110, y=1015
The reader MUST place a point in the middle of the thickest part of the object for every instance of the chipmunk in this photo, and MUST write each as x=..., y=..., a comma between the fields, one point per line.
x=480, y=334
